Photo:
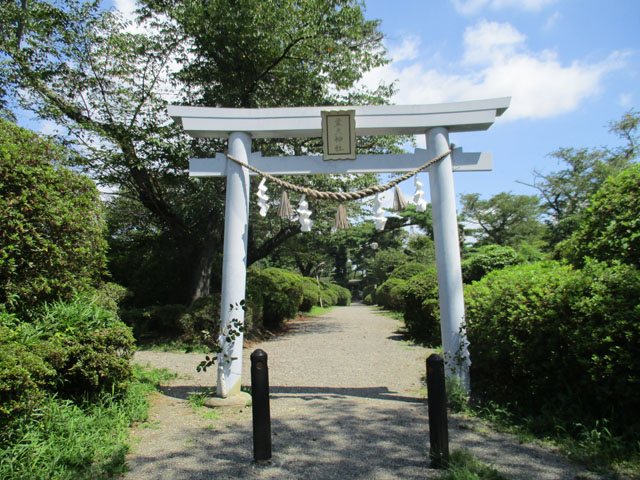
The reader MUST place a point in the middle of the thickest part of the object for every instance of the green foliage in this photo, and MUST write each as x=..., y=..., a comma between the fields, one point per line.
x=200, y=322
x=24, y=376
x=74, y=349
x=384, y=262
x=504, y=219
x=51, y=226
x=62, y=440
x=421, y=308
x=566, y=193
x=89, y=347
x=390, y=294
x=610, y=227
x=310, y=294
x=563, y=342
x=343, y=295
x=463, y=466
x=279, y=292
x=80, y=65
x=486, y=259
x=408, y=270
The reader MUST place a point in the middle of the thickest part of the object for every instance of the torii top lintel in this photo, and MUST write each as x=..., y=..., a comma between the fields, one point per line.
x=291, y=122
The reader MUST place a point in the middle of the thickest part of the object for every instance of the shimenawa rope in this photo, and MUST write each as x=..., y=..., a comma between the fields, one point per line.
x=340, y=196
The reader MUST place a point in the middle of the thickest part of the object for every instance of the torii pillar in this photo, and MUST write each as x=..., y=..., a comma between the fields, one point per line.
x=434, y=121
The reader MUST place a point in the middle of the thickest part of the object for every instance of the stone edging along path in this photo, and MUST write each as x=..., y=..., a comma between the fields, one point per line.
x=347, y=402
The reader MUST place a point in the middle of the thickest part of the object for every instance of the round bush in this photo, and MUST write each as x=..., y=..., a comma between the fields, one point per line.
x=51, y=224
x=390, y=294
x=408, y=270
x=486, y=259
x=280, y=294
x=343, y=295
x=310, y=294
x=558, y=343
x=421, y=307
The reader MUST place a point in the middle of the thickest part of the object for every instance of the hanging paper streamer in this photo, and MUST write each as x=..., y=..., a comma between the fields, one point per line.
x=285, y=210
x=378, y=213
x=263, y=199
x=399, y=202
x=303, y=215
x=342, y=222
x=418, y=197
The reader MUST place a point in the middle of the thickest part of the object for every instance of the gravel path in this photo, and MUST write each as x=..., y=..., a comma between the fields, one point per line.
x=347, y=402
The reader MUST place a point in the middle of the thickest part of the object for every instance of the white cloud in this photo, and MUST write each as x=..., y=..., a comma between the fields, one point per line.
x=497, y=63
x=472, y=7
x=625, y=100
x=552, y=21
x=491, y=41
x=407, y=50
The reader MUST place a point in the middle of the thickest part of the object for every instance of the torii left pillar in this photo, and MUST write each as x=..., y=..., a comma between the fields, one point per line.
x=234, y=261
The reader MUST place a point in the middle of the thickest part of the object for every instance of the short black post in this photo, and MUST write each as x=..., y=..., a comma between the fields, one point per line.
x=260, y=406
x=437, y=401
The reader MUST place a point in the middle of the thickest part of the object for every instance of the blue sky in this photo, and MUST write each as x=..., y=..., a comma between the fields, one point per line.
x=570, y=66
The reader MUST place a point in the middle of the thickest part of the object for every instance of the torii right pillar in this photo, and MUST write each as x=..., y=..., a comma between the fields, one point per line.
x=445, y=232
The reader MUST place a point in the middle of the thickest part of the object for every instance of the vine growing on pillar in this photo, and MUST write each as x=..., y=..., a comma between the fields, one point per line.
x=222, y=349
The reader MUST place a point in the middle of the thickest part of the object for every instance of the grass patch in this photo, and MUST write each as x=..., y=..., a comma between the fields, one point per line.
x=174, y=346
x=316, y=311
x=593, y=445
x=63, y=440
x=197, y=399
x=463, y=466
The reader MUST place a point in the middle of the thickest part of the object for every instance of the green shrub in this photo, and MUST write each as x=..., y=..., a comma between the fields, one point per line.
x=200, y=322
x=329, y=296
x=486, y=259
x=368, y=299
x=278, y=291
x=421, y=307
x=610, y=227
x=88, y=346
x=24, y=377
x=343, y=295
x=557, y=343
x=408, y=270
x=390, y=294
x=310, y=294
x=51, y=224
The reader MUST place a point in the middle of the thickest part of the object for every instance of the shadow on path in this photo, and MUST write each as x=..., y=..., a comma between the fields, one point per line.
x=314, y=393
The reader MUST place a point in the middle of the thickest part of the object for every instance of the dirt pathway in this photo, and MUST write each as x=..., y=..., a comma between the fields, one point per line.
x=347, y=402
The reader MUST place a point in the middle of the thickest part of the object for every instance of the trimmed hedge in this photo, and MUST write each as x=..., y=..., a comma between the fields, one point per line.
x=278, y=291
x=557, y=343
x=486, y=259
x=390, y=294
x=421, y=307
x=51, y=227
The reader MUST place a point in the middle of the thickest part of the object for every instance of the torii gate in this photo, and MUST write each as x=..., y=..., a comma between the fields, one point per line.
x=435, y=121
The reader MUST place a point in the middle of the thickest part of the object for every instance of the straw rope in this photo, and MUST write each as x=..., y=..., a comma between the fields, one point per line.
x=341, y=196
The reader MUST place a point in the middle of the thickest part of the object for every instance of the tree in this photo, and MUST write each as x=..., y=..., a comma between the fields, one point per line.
x=504, y=219
x=51, y=223
x=80, y=66
x=609, y=229
x=566, y=193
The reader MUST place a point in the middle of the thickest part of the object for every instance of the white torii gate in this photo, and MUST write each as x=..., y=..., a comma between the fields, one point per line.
x=435, y=121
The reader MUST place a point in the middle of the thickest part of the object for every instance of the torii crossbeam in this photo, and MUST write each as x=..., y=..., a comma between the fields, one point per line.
x=434, y=121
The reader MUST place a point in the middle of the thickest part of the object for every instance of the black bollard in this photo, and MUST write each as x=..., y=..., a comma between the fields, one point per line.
x=437, y=401
x=260, y=406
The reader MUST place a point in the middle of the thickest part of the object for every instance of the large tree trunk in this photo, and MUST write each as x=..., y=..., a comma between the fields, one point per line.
x=206, y=259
